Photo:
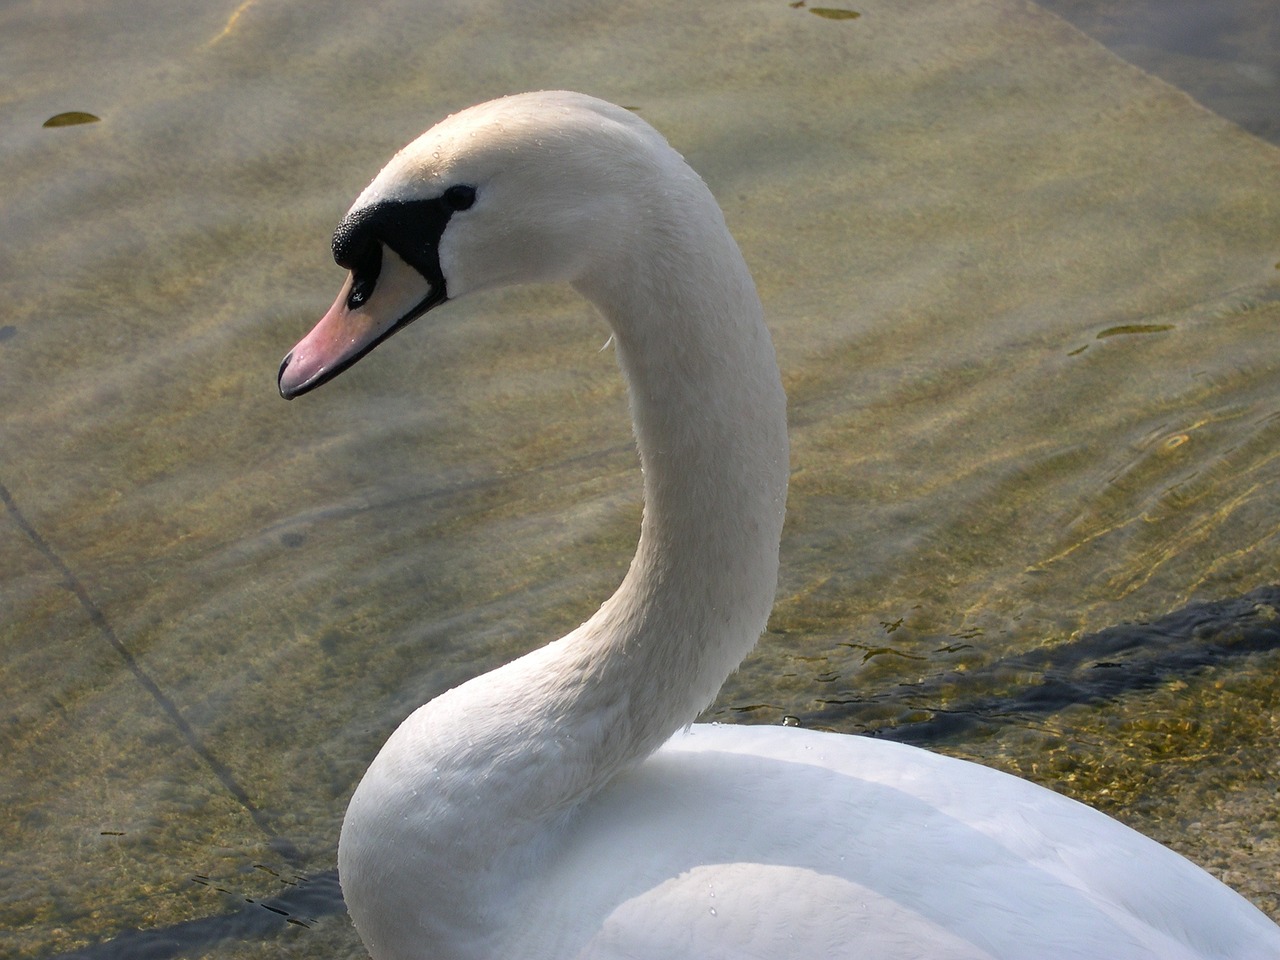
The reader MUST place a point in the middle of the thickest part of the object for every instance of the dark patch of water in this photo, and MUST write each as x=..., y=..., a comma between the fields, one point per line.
x=310, y=899
x=1094, y=668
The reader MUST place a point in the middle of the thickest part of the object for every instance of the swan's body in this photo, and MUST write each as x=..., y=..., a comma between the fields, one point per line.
x=550, y=809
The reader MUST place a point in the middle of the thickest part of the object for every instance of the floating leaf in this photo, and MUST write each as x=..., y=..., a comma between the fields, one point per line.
x=1134, y=328
x=835, y=13
x=70, y=119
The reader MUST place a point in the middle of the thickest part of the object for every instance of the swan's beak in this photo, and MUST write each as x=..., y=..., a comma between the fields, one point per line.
x=346, y=333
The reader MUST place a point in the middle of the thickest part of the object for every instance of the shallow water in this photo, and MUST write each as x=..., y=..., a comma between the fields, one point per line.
x=1024, y=296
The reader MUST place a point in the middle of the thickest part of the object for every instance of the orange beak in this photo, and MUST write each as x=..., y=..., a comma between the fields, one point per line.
x=346, y=333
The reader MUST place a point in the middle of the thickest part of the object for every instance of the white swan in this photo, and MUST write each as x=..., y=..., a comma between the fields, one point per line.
x=550, y=809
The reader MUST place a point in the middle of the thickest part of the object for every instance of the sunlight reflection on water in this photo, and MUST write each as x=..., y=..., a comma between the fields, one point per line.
x=1026, y=323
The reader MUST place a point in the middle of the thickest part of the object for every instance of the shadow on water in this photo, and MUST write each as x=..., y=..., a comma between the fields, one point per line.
x=312, y=898
x=1224, y=54
x=1097, y=667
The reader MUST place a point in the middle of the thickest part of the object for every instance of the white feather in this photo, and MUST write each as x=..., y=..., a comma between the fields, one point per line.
x=550, y=809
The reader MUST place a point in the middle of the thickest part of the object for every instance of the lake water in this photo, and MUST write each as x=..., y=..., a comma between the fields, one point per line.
x=1025, y=296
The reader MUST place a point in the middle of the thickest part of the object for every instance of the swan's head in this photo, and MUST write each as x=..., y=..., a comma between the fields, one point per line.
x=530, y=188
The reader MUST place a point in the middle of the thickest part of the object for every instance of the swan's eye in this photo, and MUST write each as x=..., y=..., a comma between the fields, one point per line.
x=364, y=268
x=459, y=197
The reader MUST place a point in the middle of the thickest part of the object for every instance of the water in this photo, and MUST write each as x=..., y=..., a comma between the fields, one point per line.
x=1024, y=296
x=1227, y=55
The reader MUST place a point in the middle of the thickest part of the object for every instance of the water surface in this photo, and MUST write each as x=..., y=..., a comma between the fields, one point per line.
x=1024, y=296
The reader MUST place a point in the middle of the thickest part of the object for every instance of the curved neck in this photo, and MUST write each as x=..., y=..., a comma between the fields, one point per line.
x=516, y=749
x=710, y=422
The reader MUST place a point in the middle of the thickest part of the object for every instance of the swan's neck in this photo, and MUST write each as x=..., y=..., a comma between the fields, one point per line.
x=480, y=780
x=710, y=424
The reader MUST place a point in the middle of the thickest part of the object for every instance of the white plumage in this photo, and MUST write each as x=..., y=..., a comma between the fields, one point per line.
x=557, y=807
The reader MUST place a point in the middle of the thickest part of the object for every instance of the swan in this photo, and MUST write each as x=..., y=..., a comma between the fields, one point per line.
x=566, y=804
